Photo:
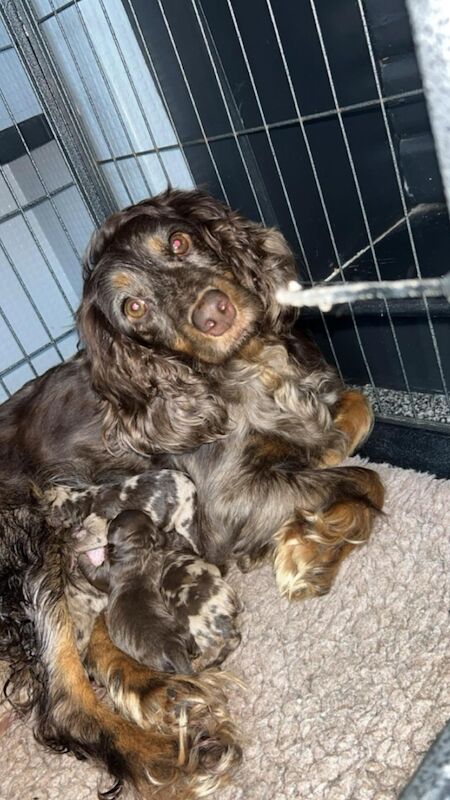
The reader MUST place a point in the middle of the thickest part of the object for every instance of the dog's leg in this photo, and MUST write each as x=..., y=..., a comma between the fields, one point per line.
x=310, y=547
x=354, y=418
x=203, y=604
x=188, y=743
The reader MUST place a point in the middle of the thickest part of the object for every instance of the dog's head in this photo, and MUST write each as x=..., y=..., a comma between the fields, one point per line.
x=173, y=284
x=184, y=273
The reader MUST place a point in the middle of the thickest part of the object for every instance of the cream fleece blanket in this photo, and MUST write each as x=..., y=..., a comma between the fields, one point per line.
x=345, y=693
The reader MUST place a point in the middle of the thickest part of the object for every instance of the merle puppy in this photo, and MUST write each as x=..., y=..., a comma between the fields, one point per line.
x=138, y=542
x=137, y=618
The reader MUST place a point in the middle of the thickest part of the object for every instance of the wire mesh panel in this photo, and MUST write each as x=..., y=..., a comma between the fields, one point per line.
x=327, y=99
x=94, y=48
x=309, y=116
x=44, y=224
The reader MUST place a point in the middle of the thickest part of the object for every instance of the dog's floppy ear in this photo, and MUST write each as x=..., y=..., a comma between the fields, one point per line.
x=154, y=403
x=274, y=271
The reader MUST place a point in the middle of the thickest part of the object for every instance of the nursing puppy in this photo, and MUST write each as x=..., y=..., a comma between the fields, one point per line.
x=138, y=542
x=137, y=619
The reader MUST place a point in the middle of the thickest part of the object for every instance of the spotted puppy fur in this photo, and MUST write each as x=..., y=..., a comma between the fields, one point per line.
x=153, y=553
x=138, y=621
x=204, y=603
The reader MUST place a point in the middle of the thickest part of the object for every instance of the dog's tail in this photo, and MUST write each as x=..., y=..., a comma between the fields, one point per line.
x=175, y=757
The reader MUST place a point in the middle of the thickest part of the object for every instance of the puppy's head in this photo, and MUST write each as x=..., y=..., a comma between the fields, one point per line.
x=131, y=535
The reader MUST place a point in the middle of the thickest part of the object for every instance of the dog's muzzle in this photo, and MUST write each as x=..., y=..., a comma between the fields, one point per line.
x=214, y=313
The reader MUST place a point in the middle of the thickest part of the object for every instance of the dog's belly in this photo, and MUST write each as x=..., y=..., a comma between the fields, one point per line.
x=240, y=507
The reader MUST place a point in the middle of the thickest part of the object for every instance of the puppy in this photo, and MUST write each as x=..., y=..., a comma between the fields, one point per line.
x=138, y=540
x=137, y=619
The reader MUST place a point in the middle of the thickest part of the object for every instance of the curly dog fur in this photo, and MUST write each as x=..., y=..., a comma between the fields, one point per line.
x=189, y=363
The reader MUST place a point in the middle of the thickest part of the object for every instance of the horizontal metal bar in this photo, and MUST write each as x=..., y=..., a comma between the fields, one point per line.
x=326, y=296
x=50, y=14
x=285, y=123
x=38, y=352
x=412, y=307
x=33, y=203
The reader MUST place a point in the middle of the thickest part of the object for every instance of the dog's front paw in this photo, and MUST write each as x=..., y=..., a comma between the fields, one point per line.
x=204, y=605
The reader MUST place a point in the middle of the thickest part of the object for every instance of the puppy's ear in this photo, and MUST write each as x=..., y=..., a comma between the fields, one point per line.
x=154, y=403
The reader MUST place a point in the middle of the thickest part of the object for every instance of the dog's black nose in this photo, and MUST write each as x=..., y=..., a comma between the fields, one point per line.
x=214, y=313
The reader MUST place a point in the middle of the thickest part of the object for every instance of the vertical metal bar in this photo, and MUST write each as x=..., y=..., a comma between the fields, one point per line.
x=90, y=99
x=111, y=96
x=32, y=303
x=230, y=118
x=37, y=242
x=340, y=270
x=402, y=194
x=35, y=58
x=191, y=97
x=5, y=388
x=360, y=201
x=243, y=134
x=149, y=58
x=291, y=212
x=135, y=91
x=17, y=340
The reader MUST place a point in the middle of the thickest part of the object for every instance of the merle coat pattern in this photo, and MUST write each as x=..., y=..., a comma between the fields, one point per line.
x=188, y=362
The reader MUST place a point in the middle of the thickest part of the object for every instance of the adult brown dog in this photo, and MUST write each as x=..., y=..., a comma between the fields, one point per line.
x=188, y=362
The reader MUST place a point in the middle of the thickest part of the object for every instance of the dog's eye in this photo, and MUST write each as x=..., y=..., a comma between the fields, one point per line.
x=133, y=308
x=179, y=243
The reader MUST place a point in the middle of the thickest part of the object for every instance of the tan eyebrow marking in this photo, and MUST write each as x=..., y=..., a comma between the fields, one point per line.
x=155, y=244
x=120, y=280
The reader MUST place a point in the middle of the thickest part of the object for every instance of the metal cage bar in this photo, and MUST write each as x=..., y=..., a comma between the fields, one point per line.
x=146, y=51
x=284, y=123
x=36, y=59
x=402, y=195
x=289, y=204
x=238, y=133
x=201, y=25
x=192, y=99
x=91, y=100
x=360, y=200
x=116, y=41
